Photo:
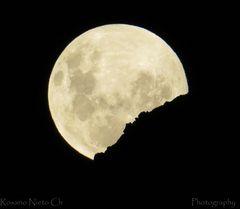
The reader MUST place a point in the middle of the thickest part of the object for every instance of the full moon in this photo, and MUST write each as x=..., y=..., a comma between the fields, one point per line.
x=105, y=78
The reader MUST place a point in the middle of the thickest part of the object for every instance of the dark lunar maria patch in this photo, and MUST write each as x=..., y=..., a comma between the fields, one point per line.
x=58, y=78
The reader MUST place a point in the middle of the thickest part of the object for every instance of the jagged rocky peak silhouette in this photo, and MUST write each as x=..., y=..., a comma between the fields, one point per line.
x=153, y=134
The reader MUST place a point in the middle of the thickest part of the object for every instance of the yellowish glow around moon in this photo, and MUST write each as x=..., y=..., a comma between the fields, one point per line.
x=107, y=76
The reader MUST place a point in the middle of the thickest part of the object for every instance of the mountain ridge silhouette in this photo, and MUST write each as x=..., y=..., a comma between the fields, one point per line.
x=163, y=120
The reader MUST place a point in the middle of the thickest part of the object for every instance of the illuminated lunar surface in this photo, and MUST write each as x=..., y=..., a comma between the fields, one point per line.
x=105, y=78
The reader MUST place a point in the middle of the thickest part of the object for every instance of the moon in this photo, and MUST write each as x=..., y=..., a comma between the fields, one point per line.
x=105, y=78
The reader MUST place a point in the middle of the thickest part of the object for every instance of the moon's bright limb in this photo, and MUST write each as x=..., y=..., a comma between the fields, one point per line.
x=107, y=76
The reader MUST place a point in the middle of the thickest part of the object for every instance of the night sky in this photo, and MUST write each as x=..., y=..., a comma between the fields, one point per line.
x=187, y=148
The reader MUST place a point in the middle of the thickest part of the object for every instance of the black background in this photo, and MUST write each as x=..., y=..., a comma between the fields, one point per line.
x=186, y=149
